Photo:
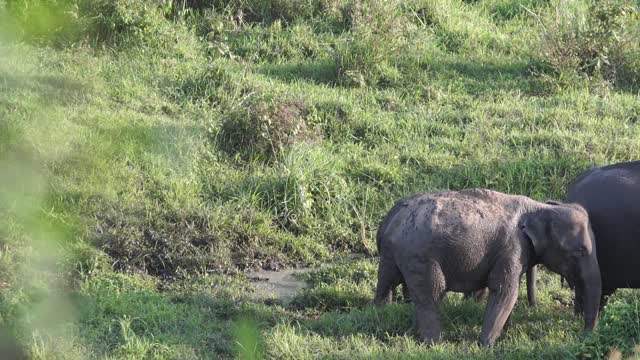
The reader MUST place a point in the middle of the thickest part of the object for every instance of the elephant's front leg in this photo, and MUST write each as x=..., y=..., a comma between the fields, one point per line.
x=503, y=293
x=426, y=291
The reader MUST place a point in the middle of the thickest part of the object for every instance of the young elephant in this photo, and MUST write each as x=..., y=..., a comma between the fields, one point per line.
x=468, y=240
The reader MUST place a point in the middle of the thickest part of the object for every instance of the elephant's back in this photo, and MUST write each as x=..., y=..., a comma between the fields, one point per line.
x=612, y=190
x=469, y=230
x=450, y=213
x=452, y=225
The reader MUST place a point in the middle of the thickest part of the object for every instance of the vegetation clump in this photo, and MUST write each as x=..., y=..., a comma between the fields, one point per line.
x=266, y=129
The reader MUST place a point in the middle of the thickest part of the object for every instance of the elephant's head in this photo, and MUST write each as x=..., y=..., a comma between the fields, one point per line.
x=563, y=241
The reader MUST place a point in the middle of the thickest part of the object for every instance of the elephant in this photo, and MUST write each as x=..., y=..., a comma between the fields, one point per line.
x=473, y=239
x=611, y=197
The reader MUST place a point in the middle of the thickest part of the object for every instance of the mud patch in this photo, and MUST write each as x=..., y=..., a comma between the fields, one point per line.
x=281, y=285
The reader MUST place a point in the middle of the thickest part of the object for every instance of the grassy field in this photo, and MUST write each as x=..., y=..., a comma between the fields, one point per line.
x=151, y=153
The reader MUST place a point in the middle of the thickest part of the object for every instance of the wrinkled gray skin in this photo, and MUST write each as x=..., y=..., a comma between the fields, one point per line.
x=468, y=240
x=611, y=196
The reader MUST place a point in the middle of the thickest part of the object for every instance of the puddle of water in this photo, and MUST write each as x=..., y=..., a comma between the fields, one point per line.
x=280, y=284
x=283, y=284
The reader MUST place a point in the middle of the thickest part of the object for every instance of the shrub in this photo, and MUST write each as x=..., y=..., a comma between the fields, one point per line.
x=600, y=41
x=459, y=26
x=274, y=43
x=214, y=84
x=266, y=128
x=113, y=22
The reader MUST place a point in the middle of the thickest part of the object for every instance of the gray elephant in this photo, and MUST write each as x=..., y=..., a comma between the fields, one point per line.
x=468, y=240
x=611, y=196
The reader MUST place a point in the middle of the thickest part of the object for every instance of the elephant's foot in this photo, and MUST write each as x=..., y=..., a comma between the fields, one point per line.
x=430, y=335
x=428, y=323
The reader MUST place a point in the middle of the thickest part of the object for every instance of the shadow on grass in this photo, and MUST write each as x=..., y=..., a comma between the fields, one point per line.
x=461, y=319
x=478, y=77
x=49, y=88
x=322, y=72
x=558, y=351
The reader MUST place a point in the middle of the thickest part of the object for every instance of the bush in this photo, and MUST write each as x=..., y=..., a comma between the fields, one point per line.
x=114, y=22
x=266, y=128
x=214, y=84
x=600, y=41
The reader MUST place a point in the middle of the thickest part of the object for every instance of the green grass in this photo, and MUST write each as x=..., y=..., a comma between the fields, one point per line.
x=150, y=155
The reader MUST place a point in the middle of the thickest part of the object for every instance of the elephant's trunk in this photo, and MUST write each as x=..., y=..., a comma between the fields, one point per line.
x=591, y=285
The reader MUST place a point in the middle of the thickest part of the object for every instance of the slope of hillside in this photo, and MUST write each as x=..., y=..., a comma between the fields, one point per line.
x=153, y=152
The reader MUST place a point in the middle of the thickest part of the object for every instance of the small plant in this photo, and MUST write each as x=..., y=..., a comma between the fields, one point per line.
x=266, y=128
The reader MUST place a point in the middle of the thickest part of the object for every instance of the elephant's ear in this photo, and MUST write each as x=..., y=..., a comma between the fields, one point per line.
x=553, y=202
x=537, y=227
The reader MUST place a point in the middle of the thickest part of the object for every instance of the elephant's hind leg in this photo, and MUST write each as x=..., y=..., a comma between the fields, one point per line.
x=389, y=277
